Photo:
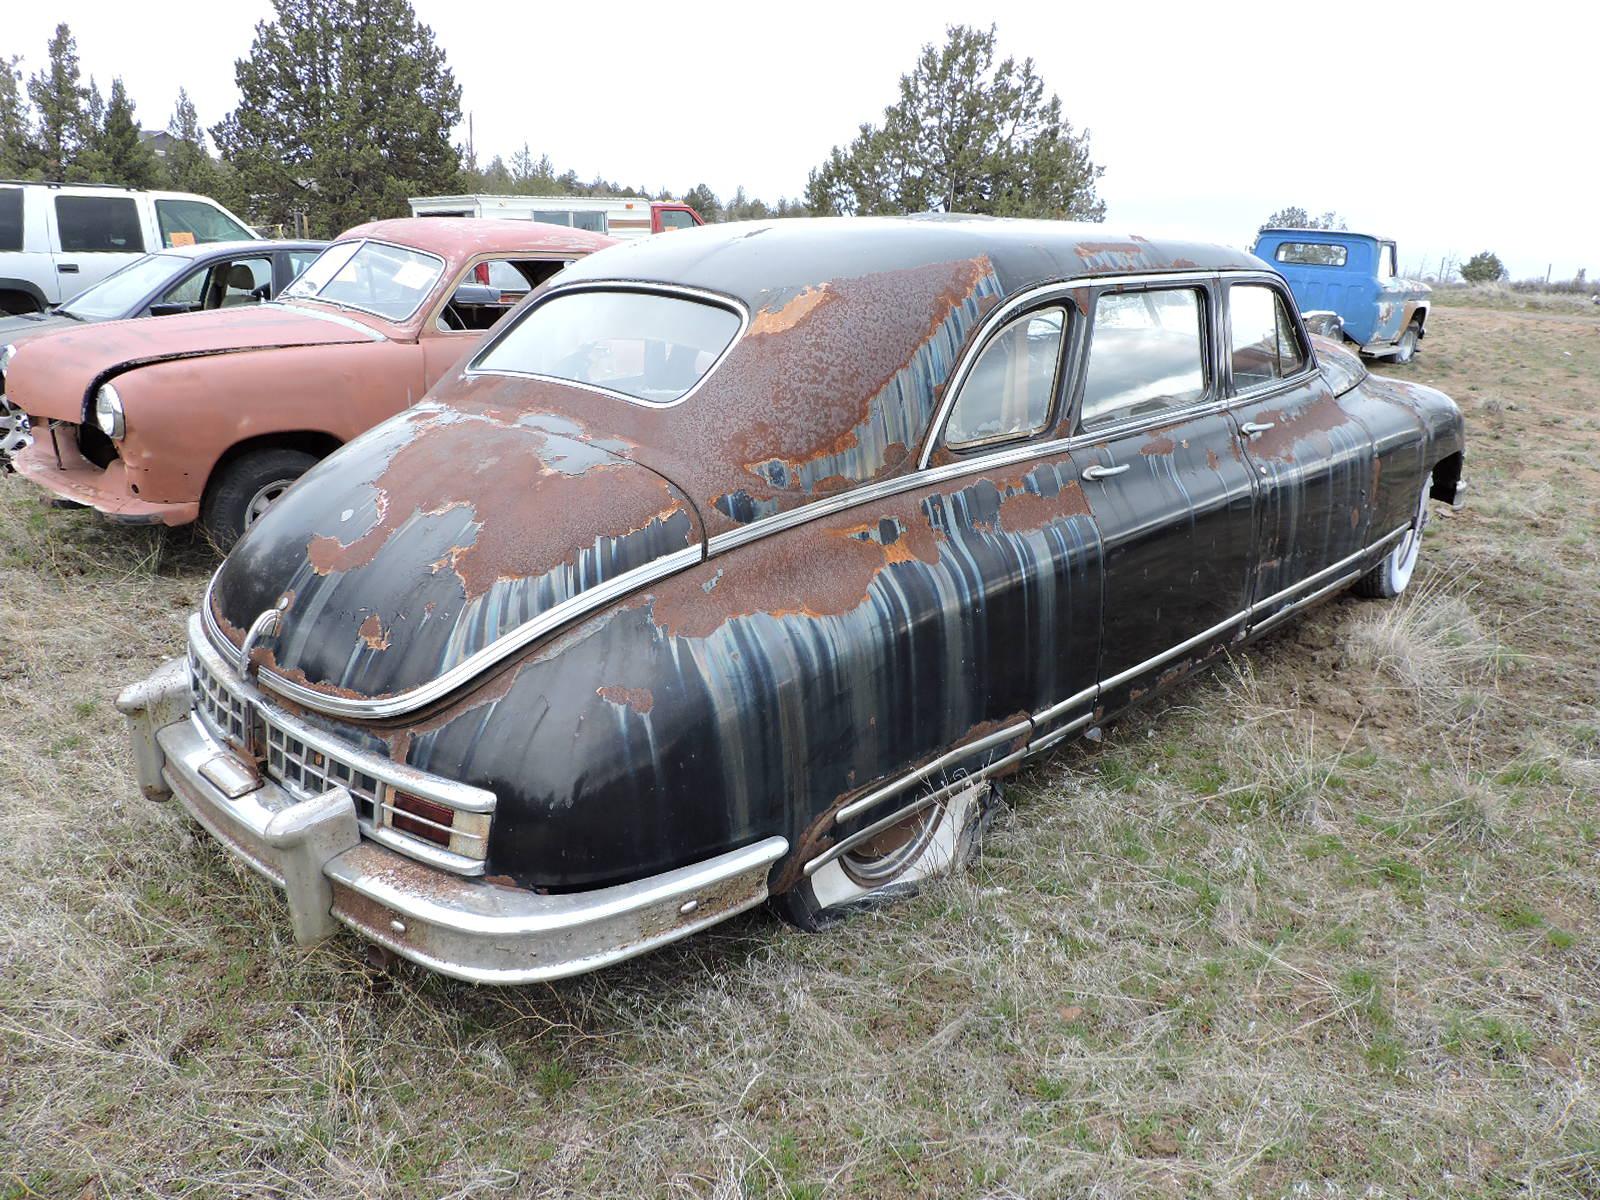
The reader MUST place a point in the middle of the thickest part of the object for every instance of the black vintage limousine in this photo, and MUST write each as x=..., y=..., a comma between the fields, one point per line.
x=739, y=563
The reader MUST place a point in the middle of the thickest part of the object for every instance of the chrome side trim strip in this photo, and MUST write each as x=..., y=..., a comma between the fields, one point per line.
x=1188, y=644
x=855, y=807
x=1305, y=601
x=855, y=839
x=473, y=665
x=1045, y=716
x=1313, y=580
x=1059, y=735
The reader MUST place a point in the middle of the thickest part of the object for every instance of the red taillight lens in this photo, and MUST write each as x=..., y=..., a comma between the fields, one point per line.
x=422, y=818
x=481, y=273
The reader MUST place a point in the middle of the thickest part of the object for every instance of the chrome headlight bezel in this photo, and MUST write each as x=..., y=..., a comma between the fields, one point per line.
x=108, y=414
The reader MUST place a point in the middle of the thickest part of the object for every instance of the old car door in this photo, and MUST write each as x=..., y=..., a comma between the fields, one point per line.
x=1313, y=460
x=1016, y=518
x=1170, y=492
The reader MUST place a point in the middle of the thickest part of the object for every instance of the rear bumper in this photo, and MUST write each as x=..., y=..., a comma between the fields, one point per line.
x=105, y=491
x=471, y=929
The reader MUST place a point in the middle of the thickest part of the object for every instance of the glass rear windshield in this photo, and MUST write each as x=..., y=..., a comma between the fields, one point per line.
x=646, y=345
x=375, y=277
x=1312, y=254
x=116, y=296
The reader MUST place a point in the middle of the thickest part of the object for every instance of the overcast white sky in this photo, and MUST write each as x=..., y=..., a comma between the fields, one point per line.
x=1449, y=131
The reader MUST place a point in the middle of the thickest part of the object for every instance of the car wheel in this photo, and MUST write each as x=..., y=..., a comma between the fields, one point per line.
x=246, y=488
x=929, y=843
x=1390, y=577
x=1406, y=347
x=16, y=304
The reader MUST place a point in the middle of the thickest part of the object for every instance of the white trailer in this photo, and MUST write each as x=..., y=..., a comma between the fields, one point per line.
x=621, y=217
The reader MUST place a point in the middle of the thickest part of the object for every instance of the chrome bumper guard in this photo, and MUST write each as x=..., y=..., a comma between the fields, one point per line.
x=471, y=929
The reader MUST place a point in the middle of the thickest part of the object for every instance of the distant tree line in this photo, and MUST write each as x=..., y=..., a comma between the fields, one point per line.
x=347, y=108
x=55, y=126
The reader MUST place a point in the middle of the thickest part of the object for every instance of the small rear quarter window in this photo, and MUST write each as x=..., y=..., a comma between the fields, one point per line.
x=10, y=218
x=1312, y=254
x=648, y=346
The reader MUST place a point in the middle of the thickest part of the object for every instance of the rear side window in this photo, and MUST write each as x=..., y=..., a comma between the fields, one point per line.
x=1265, y=344
x=1146, y=354
x=299, y=260
x=646, y=345
x=676, y=218
x=1009, y=392
x=10, y=218
x=1312, y=254
x=99, y=224
x=185, y=222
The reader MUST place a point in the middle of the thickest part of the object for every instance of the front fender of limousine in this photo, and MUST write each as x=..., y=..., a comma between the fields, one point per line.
x=739, y=564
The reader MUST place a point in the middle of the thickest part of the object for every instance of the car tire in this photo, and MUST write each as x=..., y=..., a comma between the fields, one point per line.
x=1390, y=577
x=244, y=488
x=1406, y=347
x=926, y=845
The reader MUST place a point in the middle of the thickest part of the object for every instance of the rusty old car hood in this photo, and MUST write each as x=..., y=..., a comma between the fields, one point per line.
x=425, y=543
x=52, y=376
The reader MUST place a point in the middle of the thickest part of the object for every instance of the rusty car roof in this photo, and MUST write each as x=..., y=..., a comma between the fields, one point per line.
x=752, y=260
x=459, y=238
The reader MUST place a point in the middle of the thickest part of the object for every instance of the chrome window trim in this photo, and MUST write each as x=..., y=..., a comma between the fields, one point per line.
x=476, y=663
x=730, y=303
x=1264, y=391
x=1215, y=393
x=415, y=308
x=1052, y=414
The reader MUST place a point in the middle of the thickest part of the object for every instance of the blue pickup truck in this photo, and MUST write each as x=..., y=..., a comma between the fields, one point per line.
x=1354, y=276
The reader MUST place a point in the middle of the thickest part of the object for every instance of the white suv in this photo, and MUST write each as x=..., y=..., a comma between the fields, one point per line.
x=56, y=239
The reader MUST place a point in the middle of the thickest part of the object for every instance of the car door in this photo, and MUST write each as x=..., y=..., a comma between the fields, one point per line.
x=95, y=231
x=1011, y=505
x=1170, y=492
x=1312, y=458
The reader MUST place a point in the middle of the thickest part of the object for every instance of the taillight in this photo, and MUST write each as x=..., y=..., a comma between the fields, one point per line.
x=421, y=818
x=464, y=833
x=481, y=273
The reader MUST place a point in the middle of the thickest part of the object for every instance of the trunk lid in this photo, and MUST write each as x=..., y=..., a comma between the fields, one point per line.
x=435, y=535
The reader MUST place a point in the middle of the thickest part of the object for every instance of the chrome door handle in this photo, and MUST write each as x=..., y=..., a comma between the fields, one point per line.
x=1257, y=428
x=1099, y=472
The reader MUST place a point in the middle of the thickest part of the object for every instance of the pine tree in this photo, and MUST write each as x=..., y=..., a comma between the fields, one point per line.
x=127, y=159
x=345, y=110
x=18, y=154
x=189, y=167
x=59, y=98
x=90, y=164
x=969, y=134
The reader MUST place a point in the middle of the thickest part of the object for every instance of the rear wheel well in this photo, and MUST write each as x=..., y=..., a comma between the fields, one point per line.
x=14, y=302
x=318, y=445
x=1446, y=475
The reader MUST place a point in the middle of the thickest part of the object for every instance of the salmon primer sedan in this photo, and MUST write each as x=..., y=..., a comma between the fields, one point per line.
x=212, y=416
x=740, y=564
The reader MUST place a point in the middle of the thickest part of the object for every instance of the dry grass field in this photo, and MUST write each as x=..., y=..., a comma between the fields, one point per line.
x=1322, y=924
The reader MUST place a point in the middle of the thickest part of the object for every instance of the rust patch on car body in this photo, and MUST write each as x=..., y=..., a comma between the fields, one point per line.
x=640, y=700
x=373, y=634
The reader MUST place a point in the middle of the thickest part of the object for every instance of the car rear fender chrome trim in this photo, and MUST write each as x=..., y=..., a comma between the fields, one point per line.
x=873, y=799
x=475, y=664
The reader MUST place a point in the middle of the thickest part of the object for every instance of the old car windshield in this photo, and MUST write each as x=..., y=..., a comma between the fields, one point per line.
x=116, y=295
x=375, y=277
x=646, y=345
